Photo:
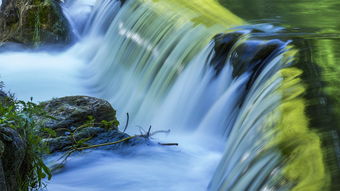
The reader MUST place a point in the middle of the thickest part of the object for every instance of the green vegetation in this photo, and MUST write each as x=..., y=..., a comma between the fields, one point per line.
x=19, y=115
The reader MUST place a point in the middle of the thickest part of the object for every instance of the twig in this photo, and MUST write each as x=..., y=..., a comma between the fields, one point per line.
x=149, y=131
x=127, y=122
x=168, y=144
x=107, y=144
x=160, y=131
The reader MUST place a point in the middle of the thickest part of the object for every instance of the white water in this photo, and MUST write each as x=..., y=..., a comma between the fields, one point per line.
x=40, y=75
x=144, y=168
x=155, y=68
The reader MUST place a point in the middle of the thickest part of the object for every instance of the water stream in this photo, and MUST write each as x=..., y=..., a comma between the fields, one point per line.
x=229, y=91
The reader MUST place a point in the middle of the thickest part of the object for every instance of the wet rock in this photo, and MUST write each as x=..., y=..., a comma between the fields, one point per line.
x=71, y=112
x=222, y=47
x=248, y=56
x=115, y=135
x=62, y=143
x=2, y=94
x=12, y=156
x=33, y=22
x=93, y=136
x=71, y=125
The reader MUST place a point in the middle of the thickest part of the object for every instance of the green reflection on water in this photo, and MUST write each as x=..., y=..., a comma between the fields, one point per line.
x=314, y=27
x=317, y=24
x=321, y=16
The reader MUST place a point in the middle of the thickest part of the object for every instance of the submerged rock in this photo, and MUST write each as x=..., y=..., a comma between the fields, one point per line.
x=33, y=22
x=80, y=121
x=12, y=156
x=256, y=54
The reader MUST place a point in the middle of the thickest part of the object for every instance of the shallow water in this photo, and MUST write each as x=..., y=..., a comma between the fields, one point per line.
x=41, y=76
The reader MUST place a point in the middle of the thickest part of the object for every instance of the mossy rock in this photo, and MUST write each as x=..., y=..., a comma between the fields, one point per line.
x=73, y=111
x=74, y=119
x=33, y=22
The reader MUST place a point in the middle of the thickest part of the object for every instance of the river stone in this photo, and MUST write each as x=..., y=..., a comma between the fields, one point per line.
x=74, y=111
x=33, y=22
x=13, y=149
x=71, y=113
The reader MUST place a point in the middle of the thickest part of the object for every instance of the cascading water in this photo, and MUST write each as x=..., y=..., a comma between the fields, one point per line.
x=229, y=99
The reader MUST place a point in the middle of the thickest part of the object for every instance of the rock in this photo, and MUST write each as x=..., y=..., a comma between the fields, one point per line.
x=2, y=173
x=115, y=135
x=12, y=156
x=74, y=111
x=33, y=22
x=96, y=136
x=60, y=143
x=2, y=94
x=70, y=116
x=223, y=44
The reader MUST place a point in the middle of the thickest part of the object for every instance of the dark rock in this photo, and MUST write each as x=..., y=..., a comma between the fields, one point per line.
x=115, y=135
x=2, y=94
x=245, y=56
x=12, y=156
x=33, y=22
x=96, y=136
x=222, y=47
x=253, y=55
x=61, y=143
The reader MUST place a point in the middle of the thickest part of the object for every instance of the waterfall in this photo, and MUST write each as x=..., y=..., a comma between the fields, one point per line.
x=188, y=66
x=152, y=51
x=164, y=64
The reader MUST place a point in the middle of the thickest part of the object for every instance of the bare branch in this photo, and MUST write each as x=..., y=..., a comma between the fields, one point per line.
x=127, y=122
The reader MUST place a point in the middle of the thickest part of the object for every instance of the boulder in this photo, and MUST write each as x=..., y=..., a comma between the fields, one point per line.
x=73, y=111
x=12, y=156
x=77, y=118
x=33, y=22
